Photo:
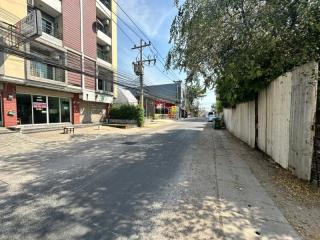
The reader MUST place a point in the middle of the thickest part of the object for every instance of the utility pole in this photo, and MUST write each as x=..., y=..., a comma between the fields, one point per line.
x=139, y=65
x=178, y=96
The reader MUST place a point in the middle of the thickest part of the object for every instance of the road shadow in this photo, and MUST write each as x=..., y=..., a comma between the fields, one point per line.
x=106, y=189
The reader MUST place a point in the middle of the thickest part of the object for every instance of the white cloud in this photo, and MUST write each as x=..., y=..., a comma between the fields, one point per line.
x=148, y=18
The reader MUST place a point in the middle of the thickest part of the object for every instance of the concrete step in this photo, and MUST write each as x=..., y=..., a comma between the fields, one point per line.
x=5, y=131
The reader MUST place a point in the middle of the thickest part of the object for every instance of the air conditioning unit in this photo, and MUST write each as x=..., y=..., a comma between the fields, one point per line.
x=30, y=3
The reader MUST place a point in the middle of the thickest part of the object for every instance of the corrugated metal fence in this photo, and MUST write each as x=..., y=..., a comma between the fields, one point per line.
x=286, y=118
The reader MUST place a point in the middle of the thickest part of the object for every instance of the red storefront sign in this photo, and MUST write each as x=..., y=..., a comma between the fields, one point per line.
x=39, y=105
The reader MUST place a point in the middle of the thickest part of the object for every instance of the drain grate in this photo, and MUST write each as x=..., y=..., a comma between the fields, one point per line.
x=130, y=143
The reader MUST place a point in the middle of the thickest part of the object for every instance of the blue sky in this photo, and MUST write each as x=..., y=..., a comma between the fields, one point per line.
x=154, y=17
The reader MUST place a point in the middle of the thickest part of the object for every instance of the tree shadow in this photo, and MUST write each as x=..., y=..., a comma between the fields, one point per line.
x=104, y=189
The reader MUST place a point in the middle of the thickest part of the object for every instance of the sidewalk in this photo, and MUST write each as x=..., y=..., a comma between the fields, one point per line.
x=297, y=200
x=247, y=211
x=14, y=143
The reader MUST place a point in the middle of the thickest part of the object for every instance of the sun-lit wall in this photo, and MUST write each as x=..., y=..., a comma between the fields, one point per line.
x=11, y=11
x=114, y=44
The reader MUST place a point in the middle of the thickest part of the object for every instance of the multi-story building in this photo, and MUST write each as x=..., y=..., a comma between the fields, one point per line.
x=83, y=34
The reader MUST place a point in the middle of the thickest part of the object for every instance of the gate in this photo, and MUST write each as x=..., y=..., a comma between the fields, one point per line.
x=315, y=171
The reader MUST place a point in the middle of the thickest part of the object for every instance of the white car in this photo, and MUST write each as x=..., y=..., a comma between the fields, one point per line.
x=210, y=116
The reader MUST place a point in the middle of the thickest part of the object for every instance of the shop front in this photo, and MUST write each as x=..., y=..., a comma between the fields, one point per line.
x=42, y=109
x=165, y=110
x=1, y=105
x=1, y=121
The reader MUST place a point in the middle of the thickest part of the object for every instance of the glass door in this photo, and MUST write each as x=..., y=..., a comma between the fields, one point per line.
x=65, y=110
x=39, y=105
x=24, y=108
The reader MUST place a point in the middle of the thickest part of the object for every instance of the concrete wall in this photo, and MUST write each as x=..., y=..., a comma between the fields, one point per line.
x=240, y=121
x=302, y=125
x=12, y=12
x=286, y=117
x=114, y=45
x=274, y=118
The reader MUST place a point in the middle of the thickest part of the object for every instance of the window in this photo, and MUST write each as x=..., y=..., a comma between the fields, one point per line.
x=105, y=85
x=48, y=26
x=54, y=110
x=100, y=84
x=42, y=70
x=24, y=110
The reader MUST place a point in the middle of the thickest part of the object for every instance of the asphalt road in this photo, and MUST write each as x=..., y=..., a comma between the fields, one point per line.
x=185, y=181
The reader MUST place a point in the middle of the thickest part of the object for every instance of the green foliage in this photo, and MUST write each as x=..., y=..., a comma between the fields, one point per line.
x=239, y=46
x=128, y=112
x=218, y=106
x=140, y=116
x=194, y=92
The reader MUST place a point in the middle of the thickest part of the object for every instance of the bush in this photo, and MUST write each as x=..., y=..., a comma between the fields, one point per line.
x=128, y=112
x=140, y=117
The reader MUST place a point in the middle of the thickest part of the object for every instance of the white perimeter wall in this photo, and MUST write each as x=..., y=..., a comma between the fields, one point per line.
x=240, y=121
x=286, y=111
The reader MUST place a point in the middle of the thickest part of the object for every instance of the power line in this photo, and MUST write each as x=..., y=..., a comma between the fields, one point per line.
x=139, y=36
x=145, y=35
x=121, y=29
x=71, y=65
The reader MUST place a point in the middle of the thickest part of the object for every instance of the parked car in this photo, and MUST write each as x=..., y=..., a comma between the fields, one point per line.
x=210, y=116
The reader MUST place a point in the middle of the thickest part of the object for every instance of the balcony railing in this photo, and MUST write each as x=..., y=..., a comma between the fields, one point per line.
x=107, y=3
x=48, y=28
x=103, y=28
x=46, y=71
x=103, y=55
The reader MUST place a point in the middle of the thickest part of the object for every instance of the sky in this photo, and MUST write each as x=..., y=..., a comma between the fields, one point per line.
x=154, y=18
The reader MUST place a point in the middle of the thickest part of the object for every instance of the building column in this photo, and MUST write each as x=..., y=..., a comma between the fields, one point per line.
x=108, y=112
x=9, y=103
x=76, y=109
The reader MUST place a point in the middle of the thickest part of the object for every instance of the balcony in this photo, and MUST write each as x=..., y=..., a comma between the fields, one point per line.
x=46, y=72
x=103, y=39
x=104, y=26
x=52, y=7
x=50, y=36
x=104, y=53
x=103, y=8
x=106, y=3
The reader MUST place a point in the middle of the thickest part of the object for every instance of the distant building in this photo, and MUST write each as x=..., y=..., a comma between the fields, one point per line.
x=125, y=96
x=163, y=101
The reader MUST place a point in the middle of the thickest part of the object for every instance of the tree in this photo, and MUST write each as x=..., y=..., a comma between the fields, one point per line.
x=239, y=46
x=194, y=92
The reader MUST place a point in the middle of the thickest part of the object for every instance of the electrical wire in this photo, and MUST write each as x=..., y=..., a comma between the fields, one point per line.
x=139, y=36
x=145, y=35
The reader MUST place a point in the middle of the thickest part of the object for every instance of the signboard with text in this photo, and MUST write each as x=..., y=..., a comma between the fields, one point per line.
x=31, y=25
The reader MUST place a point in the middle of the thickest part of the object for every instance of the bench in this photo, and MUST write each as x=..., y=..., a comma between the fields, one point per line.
x=67, y=130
